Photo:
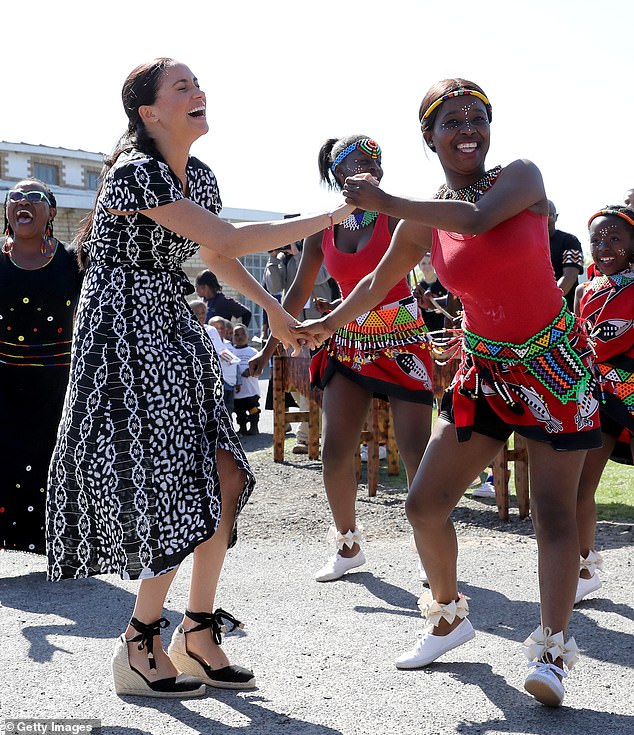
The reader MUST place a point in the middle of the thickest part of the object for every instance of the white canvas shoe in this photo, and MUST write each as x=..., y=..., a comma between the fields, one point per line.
x=429, y=647
x=338, y=565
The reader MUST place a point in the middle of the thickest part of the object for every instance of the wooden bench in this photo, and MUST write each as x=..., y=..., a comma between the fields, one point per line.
x=501, y=476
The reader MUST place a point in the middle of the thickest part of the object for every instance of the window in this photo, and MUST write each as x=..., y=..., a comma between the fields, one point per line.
x=92, y=180
x=46, y=172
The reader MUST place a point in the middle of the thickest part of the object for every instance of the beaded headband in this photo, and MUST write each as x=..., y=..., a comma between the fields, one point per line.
x=365, y=145
x=615, y=212
x=457, y=93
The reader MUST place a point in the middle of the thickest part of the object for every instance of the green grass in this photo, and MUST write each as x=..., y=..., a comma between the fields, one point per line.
x=614, y=496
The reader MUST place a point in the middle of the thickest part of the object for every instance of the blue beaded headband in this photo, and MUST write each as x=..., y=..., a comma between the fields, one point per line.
x=365, y=145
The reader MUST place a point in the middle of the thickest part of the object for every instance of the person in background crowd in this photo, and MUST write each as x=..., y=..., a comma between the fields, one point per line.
x=606, y=304
x=209, y=289
x=628, y=199
x=527, y=370
x=147, y=469
x=566, y=256
x=247, y=398
x=39, y=287
x=228, y=363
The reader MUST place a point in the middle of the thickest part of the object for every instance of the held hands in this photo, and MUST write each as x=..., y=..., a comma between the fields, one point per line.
x=315, y=331
x=423, y=298
x=257, y=364
x=363, y=191
x=283, y=327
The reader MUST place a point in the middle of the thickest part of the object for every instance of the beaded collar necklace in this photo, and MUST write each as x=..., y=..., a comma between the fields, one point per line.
x=472, y=192
x=358, y=221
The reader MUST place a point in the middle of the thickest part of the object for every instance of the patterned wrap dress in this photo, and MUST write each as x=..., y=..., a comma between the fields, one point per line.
x=133, y=483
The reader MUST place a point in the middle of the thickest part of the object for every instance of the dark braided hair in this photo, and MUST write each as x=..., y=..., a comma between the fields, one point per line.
x=327, y=154
x=8, y=230
x=140, y=88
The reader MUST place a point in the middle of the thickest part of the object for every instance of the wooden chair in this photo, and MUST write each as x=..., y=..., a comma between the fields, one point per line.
x=291, y=374
x=378, y=429
x=502, y=474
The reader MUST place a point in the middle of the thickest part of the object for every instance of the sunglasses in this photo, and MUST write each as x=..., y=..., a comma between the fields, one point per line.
x=17, y=195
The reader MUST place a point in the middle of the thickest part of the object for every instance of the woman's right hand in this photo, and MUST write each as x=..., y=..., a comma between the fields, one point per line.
x=316, y=331
x=363, y=191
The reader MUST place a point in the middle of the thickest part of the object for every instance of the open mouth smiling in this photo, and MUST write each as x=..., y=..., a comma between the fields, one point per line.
x=197, y=111
x=23, y=217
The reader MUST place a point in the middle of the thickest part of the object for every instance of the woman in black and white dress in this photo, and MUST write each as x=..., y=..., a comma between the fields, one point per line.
x=147, y=468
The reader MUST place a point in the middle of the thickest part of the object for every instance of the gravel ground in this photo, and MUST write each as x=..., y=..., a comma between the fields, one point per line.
x=323, y=653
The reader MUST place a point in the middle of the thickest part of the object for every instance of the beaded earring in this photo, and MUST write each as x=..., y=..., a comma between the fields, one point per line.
x=7, y=245
x=47, y=248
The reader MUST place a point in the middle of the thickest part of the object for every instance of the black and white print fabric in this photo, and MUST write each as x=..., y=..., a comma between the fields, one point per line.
x=133, y=484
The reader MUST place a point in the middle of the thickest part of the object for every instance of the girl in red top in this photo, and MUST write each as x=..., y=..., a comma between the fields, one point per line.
x=383, y=351
x=606, y=304
x=525, y=367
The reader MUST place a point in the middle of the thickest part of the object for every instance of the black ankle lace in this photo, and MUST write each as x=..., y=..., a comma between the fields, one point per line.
x=147, y=631
x=220, y=621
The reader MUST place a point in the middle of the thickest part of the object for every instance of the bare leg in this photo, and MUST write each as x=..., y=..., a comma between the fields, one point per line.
x=412, y=427
x=593, y=467
x=208, y=560
x=554, y=482
x=344, y=409
x=446, y=470
x=148, y=608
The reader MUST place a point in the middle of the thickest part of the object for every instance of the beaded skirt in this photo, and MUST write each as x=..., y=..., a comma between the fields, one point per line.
x=385, y=350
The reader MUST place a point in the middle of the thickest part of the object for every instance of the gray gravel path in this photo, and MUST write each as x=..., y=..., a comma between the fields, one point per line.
x=323, y=653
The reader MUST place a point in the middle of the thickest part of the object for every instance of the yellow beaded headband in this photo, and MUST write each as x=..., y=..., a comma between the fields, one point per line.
x=456, y=93
x=616, y=212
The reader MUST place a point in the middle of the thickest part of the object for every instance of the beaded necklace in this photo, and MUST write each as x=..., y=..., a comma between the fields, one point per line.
x=472, y=192
x=358, y=221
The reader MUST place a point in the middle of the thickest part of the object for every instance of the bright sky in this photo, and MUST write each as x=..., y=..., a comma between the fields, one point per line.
x=281, y=77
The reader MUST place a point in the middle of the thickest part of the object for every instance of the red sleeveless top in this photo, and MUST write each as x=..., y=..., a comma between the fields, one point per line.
x=504, y=277
x=349, y=268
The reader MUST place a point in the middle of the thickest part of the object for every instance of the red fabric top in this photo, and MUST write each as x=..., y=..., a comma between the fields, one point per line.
x=504, y=277
x=349, y=268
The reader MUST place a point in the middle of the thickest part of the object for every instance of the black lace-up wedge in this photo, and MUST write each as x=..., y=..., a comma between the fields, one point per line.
x=228, y=677
x=128, y=681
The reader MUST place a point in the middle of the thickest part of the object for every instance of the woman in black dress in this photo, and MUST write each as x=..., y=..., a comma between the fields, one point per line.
x=39, y=286
x=148, y=469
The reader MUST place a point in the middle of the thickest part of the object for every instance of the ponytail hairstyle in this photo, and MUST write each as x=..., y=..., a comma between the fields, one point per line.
x=8, y=230
x=327, y=155
x=140, y=88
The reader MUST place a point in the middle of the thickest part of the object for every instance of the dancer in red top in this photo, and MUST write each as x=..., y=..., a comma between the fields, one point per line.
x=525, y=368
x=384, y=351
x=606, y=303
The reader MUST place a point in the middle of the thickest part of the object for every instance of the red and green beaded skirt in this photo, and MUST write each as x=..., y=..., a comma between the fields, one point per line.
x=385, y=350
x=544, y=389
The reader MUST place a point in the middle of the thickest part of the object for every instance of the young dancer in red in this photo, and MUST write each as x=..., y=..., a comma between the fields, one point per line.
x=384, y=351
x=606, y=303
x=525, y=367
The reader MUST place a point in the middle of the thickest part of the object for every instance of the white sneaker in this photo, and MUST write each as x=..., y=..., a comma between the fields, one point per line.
x=338, y=565
x=429, y=647
x=364, y=452
x=486, y=490
x=586, y=586
x=544, y=684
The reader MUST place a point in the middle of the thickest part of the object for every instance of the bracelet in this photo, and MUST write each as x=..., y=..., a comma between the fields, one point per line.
x=331, y=225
